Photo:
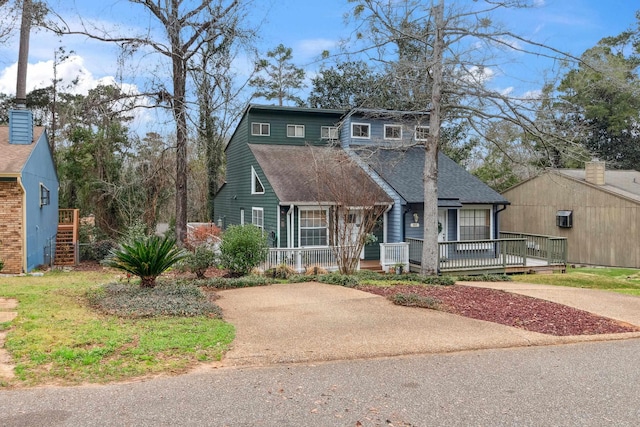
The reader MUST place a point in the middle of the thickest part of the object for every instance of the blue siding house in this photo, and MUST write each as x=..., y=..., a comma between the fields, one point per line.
x=28, y=195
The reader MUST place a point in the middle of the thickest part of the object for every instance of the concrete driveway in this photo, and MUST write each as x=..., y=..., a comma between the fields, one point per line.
x=312, y=322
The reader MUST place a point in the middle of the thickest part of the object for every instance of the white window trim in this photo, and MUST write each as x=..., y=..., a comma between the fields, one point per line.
x=330, y=130
x=253, y=211
x=476, y=207
x=326, y=215
x=241, y=216
x=368, y=125
x=255, y=176
x=392, y=126
x=261, y=124
x=415, y=133
x=295, y=131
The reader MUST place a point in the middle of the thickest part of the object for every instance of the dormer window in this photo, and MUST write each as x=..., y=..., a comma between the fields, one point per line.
x=256, y=184
x=393, y=132
x=422, y=133
x=295, y=131
x=260, y=129
x=329, y=132
x=45, y=198
x=361, y=130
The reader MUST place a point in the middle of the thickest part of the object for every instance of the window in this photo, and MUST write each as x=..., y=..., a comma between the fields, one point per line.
x=392, y=132
x=257, y=217
x=475, y=224
x=260, y=129
x=295, y=131
x=422, y=133
x=360, y=130
x=241, y=216
x=329, y=132
x=256, y=184
x=45, y=198
x=564, y=219
x=313, y=227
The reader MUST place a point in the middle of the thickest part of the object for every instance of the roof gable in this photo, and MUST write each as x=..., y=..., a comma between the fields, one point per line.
x=402, y=169
x=291, y=173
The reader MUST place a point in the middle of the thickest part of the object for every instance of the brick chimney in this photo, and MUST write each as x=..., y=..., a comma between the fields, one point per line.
x=594, y=172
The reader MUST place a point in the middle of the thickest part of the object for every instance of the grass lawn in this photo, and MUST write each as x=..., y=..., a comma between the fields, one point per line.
x=58, y=339
x=622, y=280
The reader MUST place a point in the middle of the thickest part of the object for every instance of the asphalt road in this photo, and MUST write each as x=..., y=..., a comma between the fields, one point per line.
x=585, y=384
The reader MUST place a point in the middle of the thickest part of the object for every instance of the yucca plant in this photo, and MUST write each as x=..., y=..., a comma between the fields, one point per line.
x=146, y=258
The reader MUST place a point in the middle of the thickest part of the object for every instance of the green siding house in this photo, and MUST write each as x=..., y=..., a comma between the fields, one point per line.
x=272, y=179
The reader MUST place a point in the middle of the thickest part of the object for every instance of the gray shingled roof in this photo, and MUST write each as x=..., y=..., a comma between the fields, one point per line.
x=403, y=171
x=622, y=182
x=291, y=172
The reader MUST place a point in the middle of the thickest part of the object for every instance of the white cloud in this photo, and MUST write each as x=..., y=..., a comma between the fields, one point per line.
x=311, y=48
x=74, y=78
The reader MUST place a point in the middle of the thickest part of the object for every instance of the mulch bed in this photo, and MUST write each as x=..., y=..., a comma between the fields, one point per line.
x=510, y=309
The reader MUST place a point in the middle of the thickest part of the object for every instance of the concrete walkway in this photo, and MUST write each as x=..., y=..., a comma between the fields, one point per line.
x=7, y=314
x=313, y=322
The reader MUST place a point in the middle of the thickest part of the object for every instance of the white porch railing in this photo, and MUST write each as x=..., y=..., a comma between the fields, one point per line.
x=392, y=254
x=301, y=258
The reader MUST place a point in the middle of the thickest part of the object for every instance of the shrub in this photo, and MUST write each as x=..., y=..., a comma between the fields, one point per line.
x=315, y=270
x=199, y=260
x=346, y=280
x=371, y=275
x=243, y=247
x=283, y=271
x=96, y=251
x=301, y=278
x=208, y=235
x=414, y=300
x=485, y=278
x=166, y=299
x=147, y=258
x=233, y=283
x=436, y=280
x=1, y=264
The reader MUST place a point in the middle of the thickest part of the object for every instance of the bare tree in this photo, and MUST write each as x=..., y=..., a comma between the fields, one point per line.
x=458, y=46
x=357, y=203
x=187, y=27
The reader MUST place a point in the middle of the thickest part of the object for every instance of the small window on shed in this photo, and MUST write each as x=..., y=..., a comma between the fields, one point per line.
x=564, y=219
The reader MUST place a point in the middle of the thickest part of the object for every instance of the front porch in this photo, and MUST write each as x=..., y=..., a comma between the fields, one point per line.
x=511, y=253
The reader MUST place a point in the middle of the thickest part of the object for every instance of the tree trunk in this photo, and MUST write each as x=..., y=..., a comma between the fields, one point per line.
x=179, y=112
x=23, y=56
x=430, y=261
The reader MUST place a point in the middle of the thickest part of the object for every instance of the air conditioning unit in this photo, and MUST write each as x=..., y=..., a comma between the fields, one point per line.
x=564, y=219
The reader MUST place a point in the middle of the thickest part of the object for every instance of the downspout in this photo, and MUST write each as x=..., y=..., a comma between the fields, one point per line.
x=496, y=232
x=24, y=225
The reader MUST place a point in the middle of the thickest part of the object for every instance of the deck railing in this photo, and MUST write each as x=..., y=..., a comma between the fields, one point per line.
x=301, y=258
x=548, y=248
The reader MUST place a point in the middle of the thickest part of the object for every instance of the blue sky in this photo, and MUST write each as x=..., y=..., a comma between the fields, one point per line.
x=308, y=27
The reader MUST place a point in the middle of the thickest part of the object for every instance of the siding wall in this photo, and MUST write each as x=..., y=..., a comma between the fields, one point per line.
x=11, y=248
x=42, y=221
x=377, y=131
x=236, y=193
x=605, y=227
